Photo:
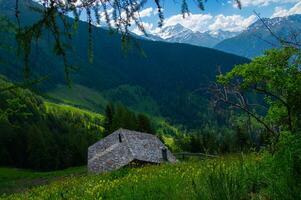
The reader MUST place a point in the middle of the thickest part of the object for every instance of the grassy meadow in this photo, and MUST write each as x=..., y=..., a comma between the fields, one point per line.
x=17, y=180
x=228, y=177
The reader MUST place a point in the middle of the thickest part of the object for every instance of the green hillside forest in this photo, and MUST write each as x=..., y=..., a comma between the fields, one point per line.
x=233, y=124
x=145, y=80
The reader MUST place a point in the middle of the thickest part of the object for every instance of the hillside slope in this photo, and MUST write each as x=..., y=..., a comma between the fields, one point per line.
x=41, y=135
x=164, y=76
x=257, y=38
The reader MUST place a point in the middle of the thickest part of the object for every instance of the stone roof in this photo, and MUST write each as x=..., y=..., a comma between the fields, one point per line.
x=124, y=146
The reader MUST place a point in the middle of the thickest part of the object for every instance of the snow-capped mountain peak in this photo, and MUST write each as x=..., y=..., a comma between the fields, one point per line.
x=222, y=35
x=257, y=38
x=179, y=34
x=172, y=31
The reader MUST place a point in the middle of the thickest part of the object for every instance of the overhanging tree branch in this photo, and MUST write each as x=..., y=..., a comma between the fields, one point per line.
x=224, y=94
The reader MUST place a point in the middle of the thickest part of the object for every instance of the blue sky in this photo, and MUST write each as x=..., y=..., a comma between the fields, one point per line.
x=227, y=7
x=218, y=14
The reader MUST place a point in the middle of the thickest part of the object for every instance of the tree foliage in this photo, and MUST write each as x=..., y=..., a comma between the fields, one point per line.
x=43, y=136
x=118, y=116
x=275, y=77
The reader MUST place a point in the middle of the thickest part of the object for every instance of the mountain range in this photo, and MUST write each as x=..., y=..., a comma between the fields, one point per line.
x=249, y=43
x=257, y=38
x=180, y=34
x=158, y=78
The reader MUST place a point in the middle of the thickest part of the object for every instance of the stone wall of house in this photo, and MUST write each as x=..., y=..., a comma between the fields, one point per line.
x=124, y=146
x=116, y=158
x=147, y=147
x=102, y=145
x=108, y=154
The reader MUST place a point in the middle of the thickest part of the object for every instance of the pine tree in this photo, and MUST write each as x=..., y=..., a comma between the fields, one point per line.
x=109, y=115
x=144, y=124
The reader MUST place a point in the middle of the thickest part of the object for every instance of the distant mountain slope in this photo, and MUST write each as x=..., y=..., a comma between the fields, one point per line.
x=164, y=78
x=179, y=34
x=256, y=39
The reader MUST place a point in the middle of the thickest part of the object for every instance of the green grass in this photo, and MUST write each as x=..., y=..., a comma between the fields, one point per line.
x=92, y=119
x=223, y=178
x=236, y=177
x=79, y=96
x=17, y=180
x=63, y=107
x=133, y=97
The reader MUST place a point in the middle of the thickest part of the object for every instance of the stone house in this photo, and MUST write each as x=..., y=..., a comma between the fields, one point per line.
x=124, y=147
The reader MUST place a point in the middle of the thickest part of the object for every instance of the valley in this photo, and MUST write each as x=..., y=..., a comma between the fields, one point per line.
x=130, y=99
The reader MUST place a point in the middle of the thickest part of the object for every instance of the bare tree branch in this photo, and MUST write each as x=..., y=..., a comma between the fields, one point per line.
x=225, y=94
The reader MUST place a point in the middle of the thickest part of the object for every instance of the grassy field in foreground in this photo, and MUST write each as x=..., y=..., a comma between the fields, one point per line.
x=17, y=180
x=224, y=178
x=255, y=176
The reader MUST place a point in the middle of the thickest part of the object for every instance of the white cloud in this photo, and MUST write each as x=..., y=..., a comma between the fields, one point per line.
x=282, y=12
x=207, y=22
x=142, y=14
x=146, y=12
x=149, y=28
x=195, y=22
x=103, y=14
x=202, y=23
x=247, y=3
x=156, y=11
x=231, y=23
